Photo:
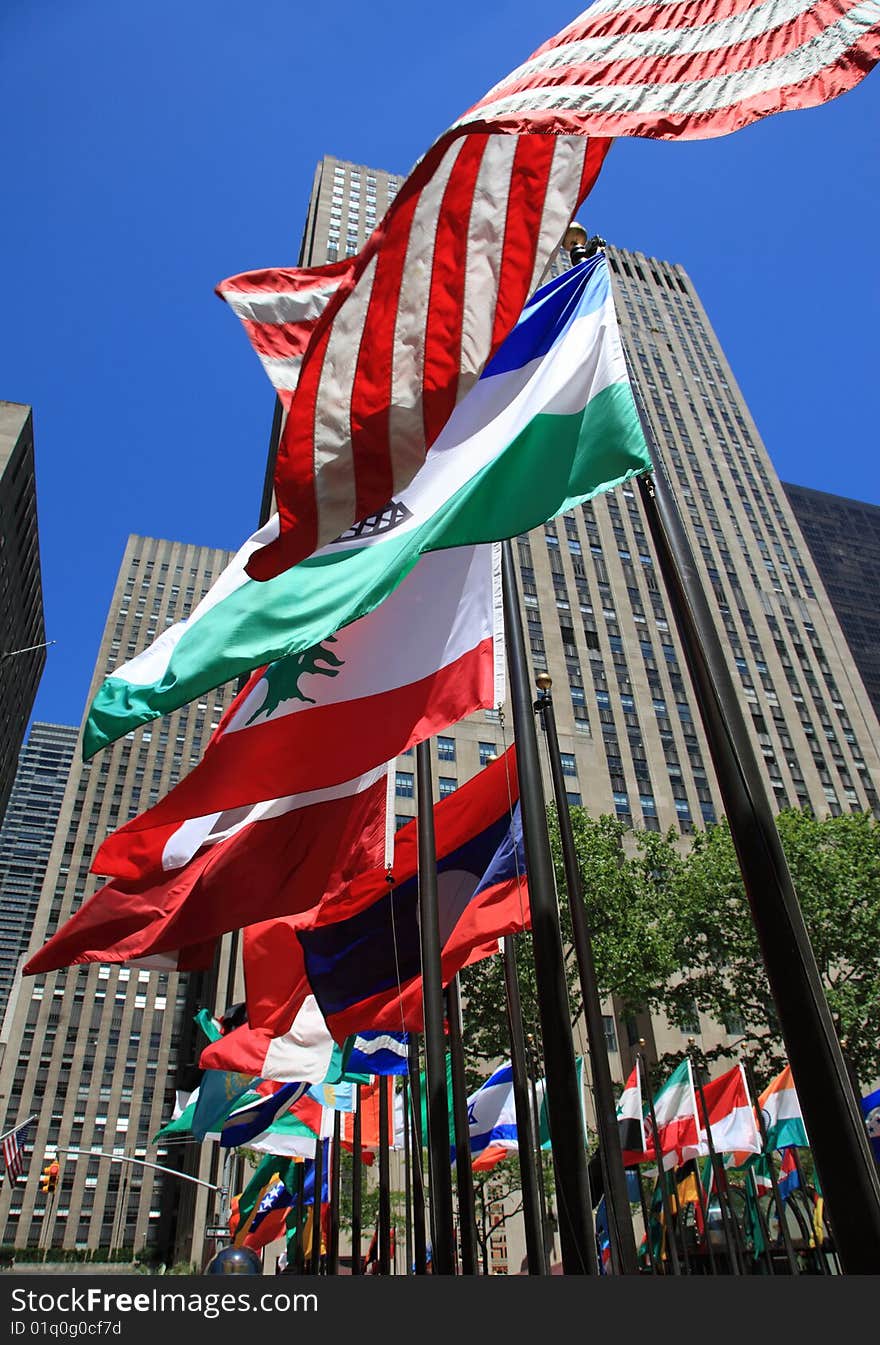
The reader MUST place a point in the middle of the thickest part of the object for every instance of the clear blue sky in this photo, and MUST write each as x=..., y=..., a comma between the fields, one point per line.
x=149, y=151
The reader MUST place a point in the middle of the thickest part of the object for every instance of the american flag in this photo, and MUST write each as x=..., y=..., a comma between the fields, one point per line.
x=371, y=355
x=13, y=1151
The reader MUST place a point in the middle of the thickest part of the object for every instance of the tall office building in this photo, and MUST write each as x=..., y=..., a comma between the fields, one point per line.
x=93, y=1050
x=598, y=620
x=844, y=540
x=26, y=840
x=22, y=634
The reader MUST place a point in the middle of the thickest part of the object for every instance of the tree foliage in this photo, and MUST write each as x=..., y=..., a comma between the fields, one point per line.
x=672, y=932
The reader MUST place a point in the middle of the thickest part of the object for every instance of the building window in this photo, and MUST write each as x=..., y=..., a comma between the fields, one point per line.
x=448, y=785
x=610, y=1034
x=400, y=820
x=569, y=765
x=446, y=749
x=404, y=786
x=487, y=750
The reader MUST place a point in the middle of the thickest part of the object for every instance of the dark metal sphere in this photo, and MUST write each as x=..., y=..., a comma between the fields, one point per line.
x=235, y=1261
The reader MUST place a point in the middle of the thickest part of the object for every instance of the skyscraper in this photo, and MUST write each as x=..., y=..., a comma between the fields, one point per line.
x=22, y=635
x=26, y=839
x=93, y=1050
x=844, y=540
x=598, y=620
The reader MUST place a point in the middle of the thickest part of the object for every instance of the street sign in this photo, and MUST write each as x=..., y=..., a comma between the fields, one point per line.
x=217, y=1231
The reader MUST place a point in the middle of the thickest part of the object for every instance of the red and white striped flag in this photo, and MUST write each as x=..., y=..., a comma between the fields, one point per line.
x=13, y=1151
x=373, y=353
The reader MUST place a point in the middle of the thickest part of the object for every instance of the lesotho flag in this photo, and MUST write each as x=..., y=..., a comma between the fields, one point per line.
x=551, y=422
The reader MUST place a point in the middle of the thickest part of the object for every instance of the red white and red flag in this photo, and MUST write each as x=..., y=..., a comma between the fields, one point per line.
x=280, y=856
x=430, y=654
x=374, y=352
x=730, y=1115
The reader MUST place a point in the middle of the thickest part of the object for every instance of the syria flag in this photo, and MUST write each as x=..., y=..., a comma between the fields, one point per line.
x=630, y=1121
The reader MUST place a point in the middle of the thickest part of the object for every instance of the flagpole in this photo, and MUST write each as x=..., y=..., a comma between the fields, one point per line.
x=830, y=1107
x=759, y=1214
x=623, y=1246
x=316, y=1205
x=564, y=1110
x=335, y=1172
x=530, y=1168
x=384, y=1179
x=19, y=1125
x=818, y=1257
x=780, y=1203
x=661, y=1171
x=534, y=1073
x=713, y=1159
x=646, y=1220
x=357, y=1180
x=415, y=1129
x=432, y=1004
x=704, y=1211
x=464, y=1173
x=408, y=1182
x=298, y=1237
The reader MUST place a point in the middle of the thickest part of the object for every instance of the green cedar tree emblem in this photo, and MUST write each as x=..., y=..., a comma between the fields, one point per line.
x=283, y=676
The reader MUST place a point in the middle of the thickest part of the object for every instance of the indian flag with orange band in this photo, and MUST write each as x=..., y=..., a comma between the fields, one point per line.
x=781, y=1112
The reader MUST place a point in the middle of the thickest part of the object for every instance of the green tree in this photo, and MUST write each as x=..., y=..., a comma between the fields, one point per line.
x=672, y=932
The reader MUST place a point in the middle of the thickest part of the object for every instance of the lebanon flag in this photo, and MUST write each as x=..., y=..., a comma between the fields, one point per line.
x=630, y=1121
x=424, y=659
x=281, y=856
x=675, y=1108
x=731, y=1115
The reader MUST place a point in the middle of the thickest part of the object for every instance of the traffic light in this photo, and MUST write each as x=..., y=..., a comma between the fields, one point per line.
x=49, y=1177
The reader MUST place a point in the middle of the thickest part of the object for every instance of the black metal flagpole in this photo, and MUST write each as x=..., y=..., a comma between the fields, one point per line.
x=384, y=1178
x=316, y=1205
x=715, y=1166
x=357, y=1184
x=623, y=1246
x=407, y=1172
x=298, y=1239
x=830, y=1107
x=564, y=1111
x=836, y=1128
x=464, y=1173
x=435, y=1046
x=415, y=1125
x=834, y=1123
x=335, y=1175
x=768, y=1154
x=646, y=1220
x=661, y=1171
x=530, y=1170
